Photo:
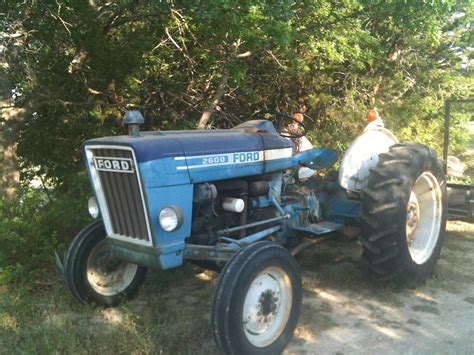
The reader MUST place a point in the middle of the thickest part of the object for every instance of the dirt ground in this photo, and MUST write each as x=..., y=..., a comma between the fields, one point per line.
x=345, y=314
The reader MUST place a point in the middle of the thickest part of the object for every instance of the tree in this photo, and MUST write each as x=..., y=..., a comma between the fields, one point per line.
x=215, y=63
x=71, y=69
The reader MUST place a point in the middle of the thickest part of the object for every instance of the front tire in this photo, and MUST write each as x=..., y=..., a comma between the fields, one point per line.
x=404, y=214
x=92, y=275
x=257, y=301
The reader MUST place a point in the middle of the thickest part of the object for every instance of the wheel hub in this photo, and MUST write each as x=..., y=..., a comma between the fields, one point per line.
x=105, y=263
x=262, y=303
x=413, y=213
x=107, y=275
x=267, y=306
x=268, y=302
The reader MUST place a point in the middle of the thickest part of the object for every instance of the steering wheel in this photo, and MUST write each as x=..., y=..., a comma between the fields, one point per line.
x=280, y=118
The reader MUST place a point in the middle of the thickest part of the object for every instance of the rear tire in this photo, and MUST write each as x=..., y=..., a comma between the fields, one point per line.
x=91, y=273
x=404, y=214
x=257, y=301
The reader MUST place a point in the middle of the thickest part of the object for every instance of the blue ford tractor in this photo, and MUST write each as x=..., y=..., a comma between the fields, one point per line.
x=234, y=201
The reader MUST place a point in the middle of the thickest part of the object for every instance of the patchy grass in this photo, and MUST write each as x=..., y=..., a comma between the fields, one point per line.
x=338, y=266
x=454, y=269
x=171, y=315
x=172, y=311
x=317, y=315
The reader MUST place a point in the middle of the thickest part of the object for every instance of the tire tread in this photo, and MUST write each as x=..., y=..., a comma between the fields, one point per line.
x=383, y=213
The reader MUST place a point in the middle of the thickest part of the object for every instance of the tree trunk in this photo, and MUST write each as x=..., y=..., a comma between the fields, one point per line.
x=206, y=115
x=10, y=119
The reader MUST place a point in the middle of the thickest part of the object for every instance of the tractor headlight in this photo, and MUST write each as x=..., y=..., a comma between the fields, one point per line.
x=170, y=218
x=93, y=207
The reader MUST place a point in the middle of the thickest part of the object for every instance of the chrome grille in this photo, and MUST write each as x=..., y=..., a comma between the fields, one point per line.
x=121, y=193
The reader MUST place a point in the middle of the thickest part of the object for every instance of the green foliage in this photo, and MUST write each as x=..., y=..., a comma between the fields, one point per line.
x=81, y=65
x=36, y=225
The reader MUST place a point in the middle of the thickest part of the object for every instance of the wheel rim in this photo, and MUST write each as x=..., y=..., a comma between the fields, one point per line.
x=106, y=275
x=424, y=212
x=267, y=306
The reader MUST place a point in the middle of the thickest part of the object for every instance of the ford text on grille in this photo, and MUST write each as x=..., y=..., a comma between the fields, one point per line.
x=115, y=164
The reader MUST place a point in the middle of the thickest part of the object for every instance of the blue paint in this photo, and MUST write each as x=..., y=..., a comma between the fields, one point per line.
x=339, y=206
x=163, y=172
x=170, y=163
x=170, y=244
x=252, y=136
x=170, y=171
x=259, y=202
x=171, y=260
x=237, y=244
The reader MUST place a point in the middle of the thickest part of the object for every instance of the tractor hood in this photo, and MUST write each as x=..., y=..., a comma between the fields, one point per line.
x=251, y=136
x=183, y=157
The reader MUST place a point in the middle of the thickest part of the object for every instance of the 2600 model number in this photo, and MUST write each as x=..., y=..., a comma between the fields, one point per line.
x=215, y=160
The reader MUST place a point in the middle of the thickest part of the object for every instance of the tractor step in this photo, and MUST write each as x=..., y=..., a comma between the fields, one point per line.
x=344, y=234
x=320, y=228
x=325, y=227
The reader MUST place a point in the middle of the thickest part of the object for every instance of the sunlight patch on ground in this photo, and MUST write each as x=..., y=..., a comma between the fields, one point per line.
x=8, y=322
x=206, y=275
x=424, y=296
x=362, y=309
x=112, y=315
x=387, y=332
x=458, y=226
x=365, y=311
x=303, y=333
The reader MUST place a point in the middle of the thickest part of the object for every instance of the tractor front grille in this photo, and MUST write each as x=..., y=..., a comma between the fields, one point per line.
x=119, y=193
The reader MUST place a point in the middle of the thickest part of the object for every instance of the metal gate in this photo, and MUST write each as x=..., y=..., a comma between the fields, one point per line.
x=459, y=162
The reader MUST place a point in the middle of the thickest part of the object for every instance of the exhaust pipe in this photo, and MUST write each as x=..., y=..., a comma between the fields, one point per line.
x=133, y=119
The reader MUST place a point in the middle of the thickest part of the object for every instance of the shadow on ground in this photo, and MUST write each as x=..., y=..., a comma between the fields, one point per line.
x=343, y=312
